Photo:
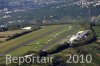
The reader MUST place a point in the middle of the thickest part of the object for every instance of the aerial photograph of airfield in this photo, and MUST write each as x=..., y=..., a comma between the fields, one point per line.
x=67, y=30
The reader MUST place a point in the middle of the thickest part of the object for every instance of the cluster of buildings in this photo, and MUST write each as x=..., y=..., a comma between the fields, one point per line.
x=87, y=3
x=79, y=35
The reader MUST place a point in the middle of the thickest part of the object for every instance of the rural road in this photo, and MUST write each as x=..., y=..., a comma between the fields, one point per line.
x=29, y=41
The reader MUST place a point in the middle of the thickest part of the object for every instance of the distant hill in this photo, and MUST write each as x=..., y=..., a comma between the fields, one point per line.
x=51, y=9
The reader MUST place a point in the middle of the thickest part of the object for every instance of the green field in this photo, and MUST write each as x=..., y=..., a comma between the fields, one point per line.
x=97, y=30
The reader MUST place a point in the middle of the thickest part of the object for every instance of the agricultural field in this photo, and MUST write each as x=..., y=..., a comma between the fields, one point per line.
x=5, y=35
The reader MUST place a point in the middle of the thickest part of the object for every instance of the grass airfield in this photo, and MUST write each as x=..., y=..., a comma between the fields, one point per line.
x=35, y=40
x=46, y=38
